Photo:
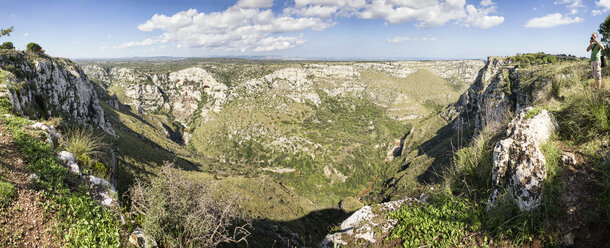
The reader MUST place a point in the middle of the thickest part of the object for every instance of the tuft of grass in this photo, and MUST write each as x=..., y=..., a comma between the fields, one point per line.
x=7, y=191
x=82, y=141
x=586, y=117
x=533, y=112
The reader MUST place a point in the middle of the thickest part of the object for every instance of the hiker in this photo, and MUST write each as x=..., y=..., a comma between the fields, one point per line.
x=596, y=47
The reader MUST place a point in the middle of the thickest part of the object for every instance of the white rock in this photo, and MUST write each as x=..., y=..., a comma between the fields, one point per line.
x=520, y=160
x=65, y=157
x=33, y=177
x=73, y=167
x=359, y=226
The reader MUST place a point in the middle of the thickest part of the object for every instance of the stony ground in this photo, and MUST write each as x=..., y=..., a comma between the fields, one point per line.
x=24, y=223
x=580, y=189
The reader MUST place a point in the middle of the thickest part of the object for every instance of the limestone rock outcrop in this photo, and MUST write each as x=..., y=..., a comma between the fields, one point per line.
x=40, y=86
x=519, y=159
x=368, y=224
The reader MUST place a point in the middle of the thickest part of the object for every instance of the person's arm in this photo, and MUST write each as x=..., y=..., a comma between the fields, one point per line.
x=600, y=45
x=589, y=47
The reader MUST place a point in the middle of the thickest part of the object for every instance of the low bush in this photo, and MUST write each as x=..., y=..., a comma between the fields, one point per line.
x=180, y=212
x=7, y=191
x=7, y=45
x=33, y=48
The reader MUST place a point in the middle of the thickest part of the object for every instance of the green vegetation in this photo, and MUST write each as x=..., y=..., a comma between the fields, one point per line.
x=7, y=31
x=179, y=212
x=33, y=48
x=82, y=141
x=7, y=191
x=582, y=114
x=7, y=45
x=528, y=59
x=441, y=222
x=586, y=117
x=82, y=221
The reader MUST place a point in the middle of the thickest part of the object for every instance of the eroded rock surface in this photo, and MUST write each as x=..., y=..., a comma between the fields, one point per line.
x=520, y=161
x=41, y=86
x=368, y=224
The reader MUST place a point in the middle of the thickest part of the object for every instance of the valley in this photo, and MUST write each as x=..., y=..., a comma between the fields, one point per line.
x=290, y=138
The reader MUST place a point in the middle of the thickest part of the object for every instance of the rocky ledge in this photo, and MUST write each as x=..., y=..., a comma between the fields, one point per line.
x=40, y=86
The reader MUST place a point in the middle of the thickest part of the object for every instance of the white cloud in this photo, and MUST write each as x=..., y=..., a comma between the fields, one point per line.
x=399, y=39
x=424, y=13
x=597, y=12
x=108, y=36
x=26, y=34
x=572, y=5
x=146, y=42
x=480, y=18
x=322, y=11
x=251, y=26
x=603, y=3
x=235, y=29
x=552, y=20
x=255, y=3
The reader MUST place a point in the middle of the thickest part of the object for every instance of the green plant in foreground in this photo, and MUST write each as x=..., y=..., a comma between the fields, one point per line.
x=440, y=223
x=82, y=222
x=7, y=191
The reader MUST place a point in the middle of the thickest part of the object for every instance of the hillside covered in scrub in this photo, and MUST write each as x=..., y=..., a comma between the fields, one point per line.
x=304, y=153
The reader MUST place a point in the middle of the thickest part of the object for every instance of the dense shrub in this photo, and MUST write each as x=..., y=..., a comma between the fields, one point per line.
x=180, y=212
x=33, y=48
x=7, y=45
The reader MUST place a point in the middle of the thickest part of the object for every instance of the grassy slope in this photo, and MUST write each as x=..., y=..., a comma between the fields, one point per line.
x=81, y=220
x=585, y=130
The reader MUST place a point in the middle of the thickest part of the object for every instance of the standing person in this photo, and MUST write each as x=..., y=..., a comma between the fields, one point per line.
x=596, y=47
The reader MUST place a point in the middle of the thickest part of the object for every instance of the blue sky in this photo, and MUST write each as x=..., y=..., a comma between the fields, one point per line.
x=432, y=29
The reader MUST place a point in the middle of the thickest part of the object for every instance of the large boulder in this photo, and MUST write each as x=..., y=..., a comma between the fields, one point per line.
x=519, y=160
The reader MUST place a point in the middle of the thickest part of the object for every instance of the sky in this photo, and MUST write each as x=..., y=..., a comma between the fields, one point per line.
x=315, y=29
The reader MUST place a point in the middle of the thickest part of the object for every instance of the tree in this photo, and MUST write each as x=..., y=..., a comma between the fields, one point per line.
x=7, y=31
x=604, y=31
x=33, y=48
x=7, y=45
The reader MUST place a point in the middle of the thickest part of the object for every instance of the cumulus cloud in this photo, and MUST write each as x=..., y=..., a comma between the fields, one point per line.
x=552, y=20
x=235, y=29
x=255, y=3
x=480, y=17
x=424, y=13
x=251, y=26
x=603, y=3
x=26, y=34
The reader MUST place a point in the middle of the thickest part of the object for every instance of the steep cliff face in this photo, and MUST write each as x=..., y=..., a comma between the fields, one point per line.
x=179, y=93
x=40, y=86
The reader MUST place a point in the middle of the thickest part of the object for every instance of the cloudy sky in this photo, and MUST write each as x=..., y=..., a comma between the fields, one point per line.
x=374, y=29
